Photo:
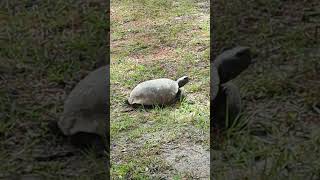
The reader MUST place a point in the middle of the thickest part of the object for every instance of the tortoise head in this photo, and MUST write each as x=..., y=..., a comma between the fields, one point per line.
x=182, y=81
x=232, y=62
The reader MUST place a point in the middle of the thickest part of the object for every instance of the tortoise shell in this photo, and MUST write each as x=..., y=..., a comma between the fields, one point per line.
x=157, y=91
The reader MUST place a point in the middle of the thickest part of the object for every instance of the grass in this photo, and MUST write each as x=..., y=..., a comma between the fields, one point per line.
x=149, y=40
x=47, y=47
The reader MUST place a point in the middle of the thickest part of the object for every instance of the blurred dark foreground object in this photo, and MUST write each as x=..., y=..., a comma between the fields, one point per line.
x=85, y=119
x=225, y=100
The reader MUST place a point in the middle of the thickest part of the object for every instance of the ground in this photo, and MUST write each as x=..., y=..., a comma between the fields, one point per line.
x=160, y=39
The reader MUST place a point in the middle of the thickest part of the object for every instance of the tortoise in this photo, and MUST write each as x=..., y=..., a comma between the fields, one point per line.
x=225, y=100
x=227, y=105
x=160, y=92
x=85, y=117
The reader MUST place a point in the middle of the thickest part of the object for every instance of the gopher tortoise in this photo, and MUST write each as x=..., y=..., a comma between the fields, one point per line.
x=157, y=92
x=85, y=118
x=225, y=100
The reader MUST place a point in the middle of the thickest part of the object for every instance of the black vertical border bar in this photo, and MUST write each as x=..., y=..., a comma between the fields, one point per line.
x=107, y=55
x=212, y=46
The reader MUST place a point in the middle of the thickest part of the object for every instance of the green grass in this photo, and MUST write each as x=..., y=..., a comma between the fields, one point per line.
x=149, y=40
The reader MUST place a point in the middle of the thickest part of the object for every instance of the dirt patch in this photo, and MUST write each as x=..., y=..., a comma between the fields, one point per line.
x=145, y=24
x=188, y=158
x=157, y=54
x=162, y=53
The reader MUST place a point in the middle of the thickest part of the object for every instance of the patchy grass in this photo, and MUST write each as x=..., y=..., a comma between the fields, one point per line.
x=280, y=91
x=149, y=40
x=47, y=47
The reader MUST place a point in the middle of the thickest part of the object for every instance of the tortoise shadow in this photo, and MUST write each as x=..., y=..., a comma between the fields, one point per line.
x=152, y=107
